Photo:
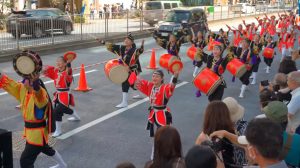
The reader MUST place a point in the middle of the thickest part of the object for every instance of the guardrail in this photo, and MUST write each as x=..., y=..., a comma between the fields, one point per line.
x=25, y=33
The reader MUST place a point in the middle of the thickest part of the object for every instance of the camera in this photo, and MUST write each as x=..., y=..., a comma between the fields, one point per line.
x=265, y=83
x=216, y=145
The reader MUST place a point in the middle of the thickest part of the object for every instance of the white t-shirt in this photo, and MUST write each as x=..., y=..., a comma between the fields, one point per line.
x=294, y=109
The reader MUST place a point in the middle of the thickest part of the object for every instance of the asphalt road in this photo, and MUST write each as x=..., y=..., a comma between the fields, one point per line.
x=106, y=136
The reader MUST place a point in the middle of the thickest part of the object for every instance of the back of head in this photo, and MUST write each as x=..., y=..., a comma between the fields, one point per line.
x=201, y=157
x=266, y=136
x=217, y=117
x=266, y=96
x=287, y=65
x=295, y=77
x=125, y=165
x=167, y=146
x=280, y=79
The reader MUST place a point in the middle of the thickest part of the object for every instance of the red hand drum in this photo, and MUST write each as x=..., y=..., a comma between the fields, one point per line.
x=268, y=52
x=207, y=81
x=115, y=71
x=171, y=63
x=191, y=52
x=236, y=68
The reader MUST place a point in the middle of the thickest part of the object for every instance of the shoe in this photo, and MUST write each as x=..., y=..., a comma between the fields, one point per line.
x=61, y=163
x=58, y=129
x=74, y=117
x=254, y=78
x=124, y=101
x=243, y=88
x=268, y=70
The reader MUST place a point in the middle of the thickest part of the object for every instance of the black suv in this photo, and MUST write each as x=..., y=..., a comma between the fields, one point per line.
x=190, y=21
x=38, y=22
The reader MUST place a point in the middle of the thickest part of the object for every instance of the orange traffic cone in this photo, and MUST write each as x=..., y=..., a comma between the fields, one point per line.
x=82, y=83
x=152, y=64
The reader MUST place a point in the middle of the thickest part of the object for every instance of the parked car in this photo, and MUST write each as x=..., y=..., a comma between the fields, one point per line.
x=243, y=8
x=155, y=11
x=38, y=22
x=179, y=21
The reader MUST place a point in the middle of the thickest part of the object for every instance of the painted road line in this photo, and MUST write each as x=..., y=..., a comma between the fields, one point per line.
x=108, y=116
x=51, y=81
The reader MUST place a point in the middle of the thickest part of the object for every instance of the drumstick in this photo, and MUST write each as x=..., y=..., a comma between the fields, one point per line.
x=95, y=38
x=121, y=58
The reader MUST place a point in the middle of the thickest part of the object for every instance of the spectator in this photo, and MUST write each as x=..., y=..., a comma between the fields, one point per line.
x=236, y=115
x=280, y=88
x=201, y=156
x=217, y=117
x=125, y=165
x=100, y=13
x=263, y=140
x=167, y=149
x=264, y=143
x=294, y=105
x=92, y=12
x=287, y=65
x=266, y=96
x=278, y=112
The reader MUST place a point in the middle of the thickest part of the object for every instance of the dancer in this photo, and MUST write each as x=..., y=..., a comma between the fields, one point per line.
x=37, y=114
x=238, y=35
x=172, y=46
x=269, y=44
x=245, y=56
x=283, y=42
x=255, y=47
x=63, y=77
x=199, y=42
x=216, y=63
x=129, y=55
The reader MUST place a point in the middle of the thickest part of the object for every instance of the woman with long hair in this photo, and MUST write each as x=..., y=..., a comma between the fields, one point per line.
x=217, y=117
x=167, y=149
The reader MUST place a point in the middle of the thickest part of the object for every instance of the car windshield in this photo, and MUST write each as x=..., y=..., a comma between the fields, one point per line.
x=177, y=16
x=152, y=5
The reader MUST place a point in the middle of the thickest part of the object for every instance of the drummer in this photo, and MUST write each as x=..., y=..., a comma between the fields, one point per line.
x=269, y=44
x=255, y=47
x=216, y=63
x=222, y=37
x=129, y=56
x=173, y=45
x=36, y=112
x=159, y=94
x=283, y=42
x=199, y=42
x=245, y=56
x=63, y=77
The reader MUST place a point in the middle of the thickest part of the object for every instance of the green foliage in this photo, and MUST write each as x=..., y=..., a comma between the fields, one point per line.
x=77, y=19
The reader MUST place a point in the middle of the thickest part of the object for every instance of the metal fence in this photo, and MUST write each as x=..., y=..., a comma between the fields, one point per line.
x=20, y=33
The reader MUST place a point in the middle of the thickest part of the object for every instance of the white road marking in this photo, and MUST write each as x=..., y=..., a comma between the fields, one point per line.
x=51, y=81
x=108, y=116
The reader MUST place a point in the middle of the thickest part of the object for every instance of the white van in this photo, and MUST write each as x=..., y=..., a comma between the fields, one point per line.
x=155, y=11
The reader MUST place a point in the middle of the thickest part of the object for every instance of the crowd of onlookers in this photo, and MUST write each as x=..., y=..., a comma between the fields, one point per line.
x=107, y=11
x=270, y=140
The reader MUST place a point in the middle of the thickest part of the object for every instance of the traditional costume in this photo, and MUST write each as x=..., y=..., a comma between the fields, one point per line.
x=269, y=61
x=63, y=99
x=129, y=57
x=36, y=112
x=256, y=47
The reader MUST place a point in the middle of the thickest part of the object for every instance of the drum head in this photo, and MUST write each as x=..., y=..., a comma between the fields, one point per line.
x=118, y=74
x=24, y=65
x=176, y=66
x=70, y=55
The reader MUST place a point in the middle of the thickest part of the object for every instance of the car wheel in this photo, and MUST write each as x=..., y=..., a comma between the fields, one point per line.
x=38, y=33
x=67, y=29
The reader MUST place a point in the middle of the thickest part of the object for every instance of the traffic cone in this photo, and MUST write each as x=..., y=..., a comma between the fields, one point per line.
x=152, y=64
x=82, y=83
